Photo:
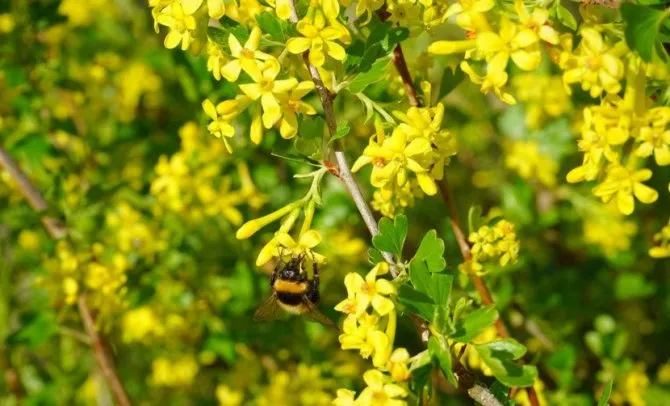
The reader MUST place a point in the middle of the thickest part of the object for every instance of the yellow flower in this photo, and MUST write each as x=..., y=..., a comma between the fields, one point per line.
x=489, y=243
x=494, y=79
x=470, y=13
x=318, y=39
x=426, y=122
x=604, y=127
x=293, y=104
x=221, y=115
x=181, y=24
x=510, y=42
x=140, y=324
x=595, y=65
x=525, y=157
x=372, y=291
x=393, y=156
x=245, y=58
x=536, y=24
x=7, y=23
x=363, y=334
x=662, y=241
x=379, y=392
x=303, y=246
x=609, y=230
x=367, y=7
x=654, y=136
x=345, y=397
x=352, y=304
x=215, y=8
x=397, y=365
x=543, y=97
x=624, y=184
x=267, y=88
x=216, y=59
x=179, y=372
x=228, y=397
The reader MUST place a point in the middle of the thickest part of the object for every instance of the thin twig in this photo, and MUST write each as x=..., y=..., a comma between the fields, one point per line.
x=57, y=231
x=344, y=171
x=54, y=227
x=483, y=290
x=101, y=354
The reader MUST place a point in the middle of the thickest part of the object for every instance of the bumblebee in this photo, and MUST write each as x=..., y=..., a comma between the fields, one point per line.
x=294, y=292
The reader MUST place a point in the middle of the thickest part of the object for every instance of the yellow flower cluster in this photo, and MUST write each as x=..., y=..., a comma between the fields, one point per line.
x=99, y=269
x=133, y=235
x=191, y=182
x=662, y=243
x=416, y=146
x=543, y=97
x=611, y=131
x=174, y=373
x=391, y=201
x=372, y=334
x=495, y=39
x=306, y=385
x=493, y=243
x=270, y=100
x=609, y=230
x=595, y=64
x=282, y=245
x=527, y=160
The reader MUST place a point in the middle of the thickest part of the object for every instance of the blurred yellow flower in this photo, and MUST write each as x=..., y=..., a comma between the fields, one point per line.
x=624, y=184
x=379, y=392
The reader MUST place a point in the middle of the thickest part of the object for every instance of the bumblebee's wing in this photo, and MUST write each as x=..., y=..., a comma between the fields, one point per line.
x=314, y=314
x=269, y=310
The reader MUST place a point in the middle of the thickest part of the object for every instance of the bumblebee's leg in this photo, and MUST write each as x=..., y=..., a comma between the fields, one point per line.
x=313, y=291
x=273, y=277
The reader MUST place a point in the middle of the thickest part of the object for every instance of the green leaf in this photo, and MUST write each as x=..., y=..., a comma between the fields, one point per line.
x=375, y=256
x=450, y=79
x=472, y=325
x=309, y=140
x=376, y=74
x=565, y=16
x=343, y=130
x=431, y=251
x=500, y=391
x=218, y=36
x=500, y=355
x=272, y=26
x=632, y=286
x=394, y=36
x=420, y=277
x=416, y=302
x=605, y=396
x=421, y=380
x=391, y=237
x=475, y=219
x=440, y=284
x=642, y=27
x=440, y=351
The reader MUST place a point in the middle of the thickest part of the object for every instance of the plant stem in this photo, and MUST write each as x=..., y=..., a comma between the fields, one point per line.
x=101, y=355
x=478, y=392
x=345, y=174
x=57, y=231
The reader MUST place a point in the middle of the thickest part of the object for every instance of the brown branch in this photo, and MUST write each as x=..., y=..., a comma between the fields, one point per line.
x=344, y=172
x=101, y=355
x=463, y=245
x=54, y=227
x=57, y=231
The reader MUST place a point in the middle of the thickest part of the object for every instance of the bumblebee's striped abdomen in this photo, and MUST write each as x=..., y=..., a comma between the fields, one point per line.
x=291, y=299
